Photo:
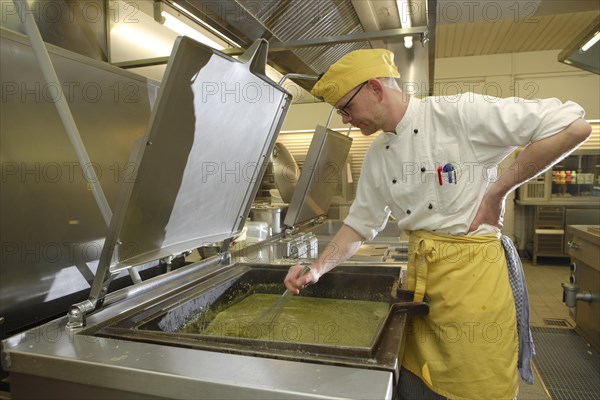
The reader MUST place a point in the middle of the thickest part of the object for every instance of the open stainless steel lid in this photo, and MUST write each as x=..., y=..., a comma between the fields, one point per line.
x=285, y=172
x=202, y=159
x=320, y=176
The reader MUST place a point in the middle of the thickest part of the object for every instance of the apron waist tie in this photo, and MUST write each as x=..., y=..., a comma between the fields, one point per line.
x=424, y=254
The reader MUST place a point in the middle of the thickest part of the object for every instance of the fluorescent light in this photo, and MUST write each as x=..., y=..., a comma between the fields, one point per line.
x=205, y=25
x=405, y=21
x=591, y=42
x=184, y=29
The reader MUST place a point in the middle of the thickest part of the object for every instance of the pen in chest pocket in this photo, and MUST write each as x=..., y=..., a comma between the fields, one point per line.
x=449, y=169
x=450, y=172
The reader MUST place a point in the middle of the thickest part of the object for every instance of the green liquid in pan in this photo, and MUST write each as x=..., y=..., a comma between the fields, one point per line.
x=301, y=320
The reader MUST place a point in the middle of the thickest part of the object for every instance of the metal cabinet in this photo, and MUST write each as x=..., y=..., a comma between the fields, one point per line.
x=585, y=255
x=549, y=232
x=551, y=237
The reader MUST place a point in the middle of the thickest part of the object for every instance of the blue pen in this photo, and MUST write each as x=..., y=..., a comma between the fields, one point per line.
x=450, y=170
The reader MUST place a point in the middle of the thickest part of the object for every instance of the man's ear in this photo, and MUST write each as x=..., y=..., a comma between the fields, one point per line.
x=377, y=87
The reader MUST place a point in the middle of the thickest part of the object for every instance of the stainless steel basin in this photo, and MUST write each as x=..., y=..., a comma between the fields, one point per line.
x=161, y=322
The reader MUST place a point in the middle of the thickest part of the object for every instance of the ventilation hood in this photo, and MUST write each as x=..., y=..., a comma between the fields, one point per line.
x=306, y=37
x=583, y=52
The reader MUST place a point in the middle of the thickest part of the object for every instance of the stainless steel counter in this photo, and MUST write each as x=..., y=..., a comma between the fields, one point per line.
x=585, y=264
x=50, y=360
x=58, y=365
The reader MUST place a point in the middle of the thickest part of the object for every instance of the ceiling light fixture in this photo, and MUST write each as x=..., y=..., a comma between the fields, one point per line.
x=591, y=42
x=182, y=22
x=583, y=51
x=405, y=20
x=181, y=28
x=204, y=25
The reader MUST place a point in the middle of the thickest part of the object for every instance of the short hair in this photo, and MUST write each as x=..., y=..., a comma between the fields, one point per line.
x=389, y=82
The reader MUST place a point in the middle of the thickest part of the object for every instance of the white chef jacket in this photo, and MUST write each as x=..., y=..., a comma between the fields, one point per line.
x=458, y=141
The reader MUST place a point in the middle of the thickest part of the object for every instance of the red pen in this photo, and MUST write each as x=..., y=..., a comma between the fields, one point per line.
x=440, y=175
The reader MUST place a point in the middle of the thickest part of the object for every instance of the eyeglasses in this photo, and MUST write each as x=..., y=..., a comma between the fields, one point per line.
x=342, y=111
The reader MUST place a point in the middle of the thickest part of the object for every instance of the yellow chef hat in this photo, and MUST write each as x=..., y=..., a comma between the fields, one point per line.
x=353, y=69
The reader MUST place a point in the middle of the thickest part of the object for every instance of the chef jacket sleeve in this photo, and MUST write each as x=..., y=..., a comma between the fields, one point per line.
x=368, y=214
x=511, y=122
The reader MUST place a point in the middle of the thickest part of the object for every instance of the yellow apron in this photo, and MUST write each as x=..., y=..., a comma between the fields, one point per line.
x=467, y=347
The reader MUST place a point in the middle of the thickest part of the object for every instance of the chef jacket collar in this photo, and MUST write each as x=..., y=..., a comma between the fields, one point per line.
x=409, y=117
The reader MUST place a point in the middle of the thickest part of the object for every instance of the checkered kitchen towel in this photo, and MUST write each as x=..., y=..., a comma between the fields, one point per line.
x=519, y=288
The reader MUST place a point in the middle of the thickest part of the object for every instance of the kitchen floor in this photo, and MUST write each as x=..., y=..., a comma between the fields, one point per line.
x=546, y=308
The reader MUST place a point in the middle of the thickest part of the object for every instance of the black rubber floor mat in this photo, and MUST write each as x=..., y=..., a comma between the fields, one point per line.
x=569, y=367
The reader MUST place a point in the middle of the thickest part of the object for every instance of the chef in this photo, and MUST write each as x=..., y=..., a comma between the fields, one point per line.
x=435, y=169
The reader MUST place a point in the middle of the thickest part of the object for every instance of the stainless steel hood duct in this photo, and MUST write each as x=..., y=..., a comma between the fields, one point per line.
x=306, y=37
x=575, y=55
x=280, y=21
x=415, y=64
